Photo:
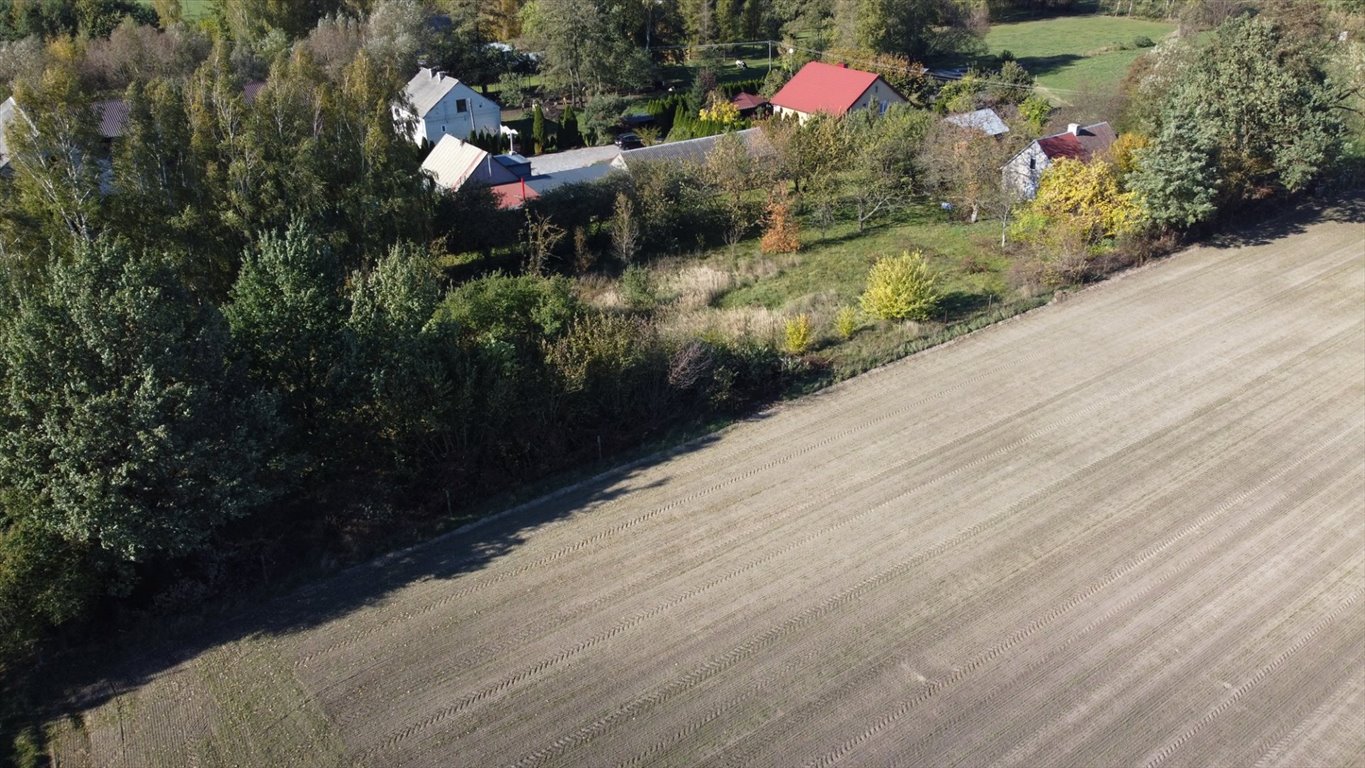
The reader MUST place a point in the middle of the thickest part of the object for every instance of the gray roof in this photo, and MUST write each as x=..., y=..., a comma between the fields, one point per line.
x=453, y=162
x=543, y=184
x=984, y=120
x=426, y=89
x=693, y=150
x=6, y=117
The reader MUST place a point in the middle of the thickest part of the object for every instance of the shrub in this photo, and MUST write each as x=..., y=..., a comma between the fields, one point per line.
x=1035, y=109
x=781, y=235
x=638, y=289
x=798, y=334
x=515, y=309
x=901, y=288
x=846, y=322
x=1143, y=41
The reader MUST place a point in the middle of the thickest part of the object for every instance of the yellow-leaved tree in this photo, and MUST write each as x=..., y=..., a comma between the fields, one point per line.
x=1079, y=207
x=722, y=113
x=901, y=288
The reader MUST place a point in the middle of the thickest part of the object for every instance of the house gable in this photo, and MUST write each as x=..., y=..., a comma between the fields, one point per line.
x=440, y=105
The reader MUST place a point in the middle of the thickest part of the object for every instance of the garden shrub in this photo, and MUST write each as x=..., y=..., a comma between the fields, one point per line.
x=901, y=288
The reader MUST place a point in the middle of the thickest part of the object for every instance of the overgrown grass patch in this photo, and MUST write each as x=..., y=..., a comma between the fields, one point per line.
x=836, y=260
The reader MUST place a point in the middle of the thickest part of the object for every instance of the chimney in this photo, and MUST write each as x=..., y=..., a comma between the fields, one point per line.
x=1074, y=129
x=843, y=65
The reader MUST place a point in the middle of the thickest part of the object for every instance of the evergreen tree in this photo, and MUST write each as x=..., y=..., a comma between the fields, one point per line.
x=568, y=129
x=1241, y=125
x=538, y=130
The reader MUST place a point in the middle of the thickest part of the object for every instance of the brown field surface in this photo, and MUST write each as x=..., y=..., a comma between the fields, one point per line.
x=1127, y=529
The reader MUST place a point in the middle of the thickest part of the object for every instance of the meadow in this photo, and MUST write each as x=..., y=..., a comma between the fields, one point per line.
x=1072, y=54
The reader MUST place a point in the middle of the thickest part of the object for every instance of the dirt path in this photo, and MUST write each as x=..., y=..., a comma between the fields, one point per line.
x=1127, y=529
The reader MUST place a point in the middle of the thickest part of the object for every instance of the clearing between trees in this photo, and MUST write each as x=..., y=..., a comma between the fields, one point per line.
x=1124, y=529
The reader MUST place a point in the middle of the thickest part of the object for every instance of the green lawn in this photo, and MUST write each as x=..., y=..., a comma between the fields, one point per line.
x=1072, y=53
x=193, y=8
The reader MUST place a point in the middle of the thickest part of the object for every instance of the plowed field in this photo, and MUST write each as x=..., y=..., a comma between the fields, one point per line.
x=1127, y=529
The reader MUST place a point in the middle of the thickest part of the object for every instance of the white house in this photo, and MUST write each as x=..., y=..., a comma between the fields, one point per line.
x=440, y=105
x=1078, y=142
x=833, y=89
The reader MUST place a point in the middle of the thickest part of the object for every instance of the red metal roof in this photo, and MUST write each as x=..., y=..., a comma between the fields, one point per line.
x=1063, y=145
x=745, y=101
x=821, y=87
x=1087, y=141
x=513, y=195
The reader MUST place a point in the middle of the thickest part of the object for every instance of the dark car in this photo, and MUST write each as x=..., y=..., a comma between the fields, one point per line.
x=628, y=140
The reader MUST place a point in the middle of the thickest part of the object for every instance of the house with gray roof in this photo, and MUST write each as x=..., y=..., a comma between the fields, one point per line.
x=454, y=163
x=439, y=105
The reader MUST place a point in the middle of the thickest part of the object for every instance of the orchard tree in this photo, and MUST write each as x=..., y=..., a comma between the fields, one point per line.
x=883, y=169
x=962, y=167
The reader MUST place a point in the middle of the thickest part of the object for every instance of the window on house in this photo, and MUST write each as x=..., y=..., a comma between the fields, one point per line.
x=1033, y=163
x=462, y=105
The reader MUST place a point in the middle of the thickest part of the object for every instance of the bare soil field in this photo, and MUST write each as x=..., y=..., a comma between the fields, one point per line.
x=1127, y=529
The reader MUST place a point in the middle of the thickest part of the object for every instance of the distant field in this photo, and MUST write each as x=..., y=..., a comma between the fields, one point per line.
x=1075, y=52
x=193, y=8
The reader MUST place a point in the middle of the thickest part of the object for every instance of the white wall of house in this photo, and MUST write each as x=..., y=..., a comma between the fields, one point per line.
x=1022, y=172
x=879, y=93
x=461, y=112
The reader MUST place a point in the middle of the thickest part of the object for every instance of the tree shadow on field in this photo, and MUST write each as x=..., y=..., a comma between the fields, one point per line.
x=1265, y=224
x=1046, y=65
x=89, y=682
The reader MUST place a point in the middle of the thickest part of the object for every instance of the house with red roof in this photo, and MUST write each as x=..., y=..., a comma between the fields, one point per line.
x=834, y=89
x=1078, y=142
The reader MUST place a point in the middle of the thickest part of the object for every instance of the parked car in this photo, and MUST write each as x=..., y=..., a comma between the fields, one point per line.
x=628, y=140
